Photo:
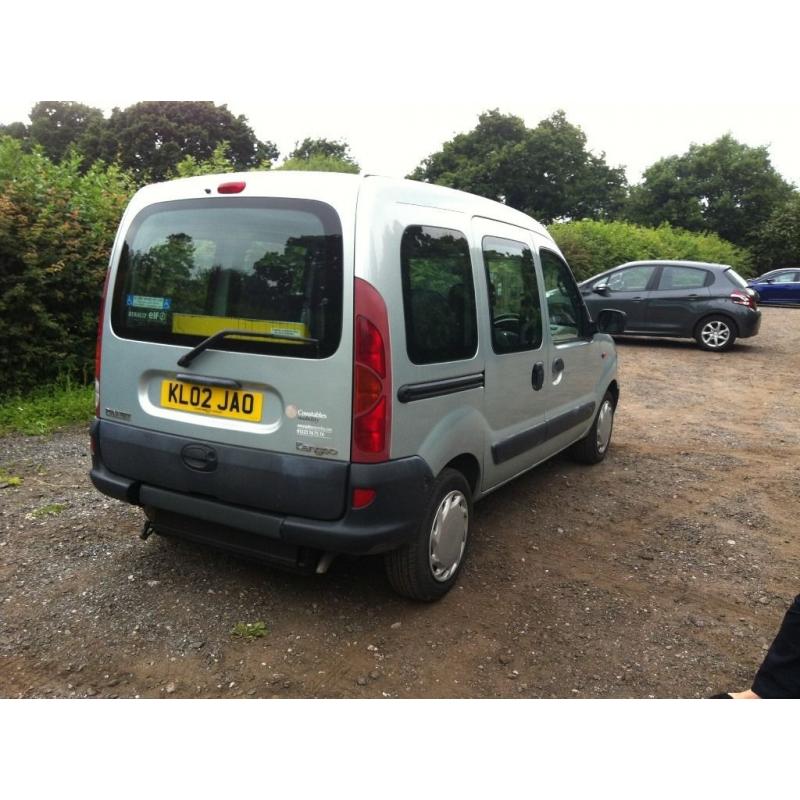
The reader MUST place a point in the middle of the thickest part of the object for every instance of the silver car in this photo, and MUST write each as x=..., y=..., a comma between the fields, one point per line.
x=296, y=365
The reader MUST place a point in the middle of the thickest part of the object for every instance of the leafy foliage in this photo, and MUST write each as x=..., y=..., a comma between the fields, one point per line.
x=310, y=148
x=592, y=246
x=546, y=171
x=725, y=187
x=151, y=138
x=778, y=243
x=56, y=230
x=58, y=125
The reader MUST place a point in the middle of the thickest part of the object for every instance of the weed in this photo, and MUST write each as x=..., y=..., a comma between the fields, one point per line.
x=249, y=630
x=7, y=479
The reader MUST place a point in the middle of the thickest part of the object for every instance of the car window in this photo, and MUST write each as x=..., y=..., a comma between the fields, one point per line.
x=633, y=279
x=784, y=277
x=192, y=268
x=735, y=278
x=564, y=304
x=438, y=295
x=682, y=278
x=514, y=300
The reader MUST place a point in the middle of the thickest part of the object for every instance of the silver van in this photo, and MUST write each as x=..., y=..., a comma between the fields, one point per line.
x=295, y=365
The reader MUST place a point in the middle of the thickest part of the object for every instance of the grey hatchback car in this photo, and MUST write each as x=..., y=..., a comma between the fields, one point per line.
x=710, y=303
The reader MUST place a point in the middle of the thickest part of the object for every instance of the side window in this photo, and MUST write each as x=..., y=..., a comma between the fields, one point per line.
x=438, y=295
x=634, y=279
x=514, y=303
x=682, y=278
x=564, y=304
x=785, y=277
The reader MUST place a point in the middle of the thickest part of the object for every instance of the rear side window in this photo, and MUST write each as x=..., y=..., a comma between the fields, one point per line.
x=514, y=300
x=735, y=278
x=683, y=278
x=190, y=269
x=438, y=295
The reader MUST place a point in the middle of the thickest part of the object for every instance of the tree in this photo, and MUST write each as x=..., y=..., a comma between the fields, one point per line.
x=56, y=125
x=778, y=243
x=321, y=155
x=151, y=138
x=725, y=187
x=546, y=171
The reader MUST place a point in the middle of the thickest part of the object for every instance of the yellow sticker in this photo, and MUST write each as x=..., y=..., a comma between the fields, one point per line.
x=199, y=325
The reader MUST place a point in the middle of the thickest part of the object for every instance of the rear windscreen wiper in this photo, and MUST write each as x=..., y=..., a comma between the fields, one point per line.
x=184, y=361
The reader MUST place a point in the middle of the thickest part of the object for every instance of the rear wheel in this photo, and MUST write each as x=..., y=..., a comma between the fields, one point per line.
x=715, y=334
x=593, y=447
x=427, y=567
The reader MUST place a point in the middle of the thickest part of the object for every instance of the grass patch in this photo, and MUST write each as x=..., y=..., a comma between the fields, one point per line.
x=7, y=479
x=249, y=630
x=43, y=410
x=50, y=510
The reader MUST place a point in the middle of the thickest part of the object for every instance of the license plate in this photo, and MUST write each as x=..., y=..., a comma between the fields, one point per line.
x=214, y=401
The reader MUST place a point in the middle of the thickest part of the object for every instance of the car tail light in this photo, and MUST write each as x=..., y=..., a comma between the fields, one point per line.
x=743, y=298
x=372, y=378
x=98, y=349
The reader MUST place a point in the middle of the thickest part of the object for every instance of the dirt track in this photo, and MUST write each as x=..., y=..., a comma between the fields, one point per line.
x=663, y=572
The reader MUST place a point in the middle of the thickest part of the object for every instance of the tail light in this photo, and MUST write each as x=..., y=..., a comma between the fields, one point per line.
x=98, y=349
x=372, y=377
x=744, y=298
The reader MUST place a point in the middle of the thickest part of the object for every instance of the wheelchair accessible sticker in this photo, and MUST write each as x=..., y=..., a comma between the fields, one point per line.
x=153, y=303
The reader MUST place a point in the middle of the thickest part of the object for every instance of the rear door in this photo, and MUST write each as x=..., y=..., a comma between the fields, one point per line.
x=516, y=387
x=678, y=301
x=275, y=269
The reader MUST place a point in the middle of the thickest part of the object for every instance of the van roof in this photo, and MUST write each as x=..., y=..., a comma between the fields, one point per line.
x=401, y=190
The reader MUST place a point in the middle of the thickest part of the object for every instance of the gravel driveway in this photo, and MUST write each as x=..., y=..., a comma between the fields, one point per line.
x=663, y=572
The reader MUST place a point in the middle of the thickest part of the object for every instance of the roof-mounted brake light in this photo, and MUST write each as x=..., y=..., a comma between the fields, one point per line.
x=231, y=187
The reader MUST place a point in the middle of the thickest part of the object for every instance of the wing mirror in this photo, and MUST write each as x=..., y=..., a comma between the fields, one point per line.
x=603, y=289
x=609, y=320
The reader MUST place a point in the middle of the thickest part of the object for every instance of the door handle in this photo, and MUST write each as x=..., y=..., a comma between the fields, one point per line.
x=537, y=376
x=637, y=299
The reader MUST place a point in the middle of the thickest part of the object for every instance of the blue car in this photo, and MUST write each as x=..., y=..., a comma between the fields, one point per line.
x=780, y=287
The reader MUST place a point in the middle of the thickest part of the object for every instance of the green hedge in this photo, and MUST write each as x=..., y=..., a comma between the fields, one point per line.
x=57, y=226
x=592, y=247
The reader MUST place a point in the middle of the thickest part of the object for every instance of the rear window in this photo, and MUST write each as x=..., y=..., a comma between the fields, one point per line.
x=190, y=269
x=735, y=278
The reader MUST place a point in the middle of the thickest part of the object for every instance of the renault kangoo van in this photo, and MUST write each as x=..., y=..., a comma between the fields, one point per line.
x=296, y=365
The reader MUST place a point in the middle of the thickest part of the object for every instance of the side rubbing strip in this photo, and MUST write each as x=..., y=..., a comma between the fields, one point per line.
x=563, y=423
x=526, y=440
x=517, y=444
x=422, y=391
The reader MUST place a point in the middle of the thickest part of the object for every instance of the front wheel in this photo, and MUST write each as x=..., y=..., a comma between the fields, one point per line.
x=716, y=334
x=593, y=447
x=427, y=567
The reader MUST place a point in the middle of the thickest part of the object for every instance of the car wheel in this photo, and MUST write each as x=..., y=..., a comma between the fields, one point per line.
x=427, y=567
x=593, y=447
x=715, y=334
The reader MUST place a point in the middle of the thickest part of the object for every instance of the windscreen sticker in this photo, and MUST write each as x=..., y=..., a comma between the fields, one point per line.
x=155, y=303
x=135, y=317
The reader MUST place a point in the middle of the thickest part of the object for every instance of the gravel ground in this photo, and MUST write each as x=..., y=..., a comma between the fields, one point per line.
x=663, y=572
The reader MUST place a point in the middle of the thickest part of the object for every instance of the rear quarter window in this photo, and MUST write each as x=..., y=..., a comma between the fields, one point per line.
x=190, y=269
x=438, y=295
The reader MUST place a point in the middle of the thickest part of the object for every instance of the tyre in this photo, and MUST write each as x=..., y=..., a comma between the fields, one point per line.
x=427, y=567
x=716, y=333
x=593, y=447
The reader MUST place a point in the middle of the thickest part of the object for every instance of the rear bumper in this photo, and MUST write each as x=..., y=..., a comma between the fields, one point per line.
x=748, y=324
x=401, y=489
